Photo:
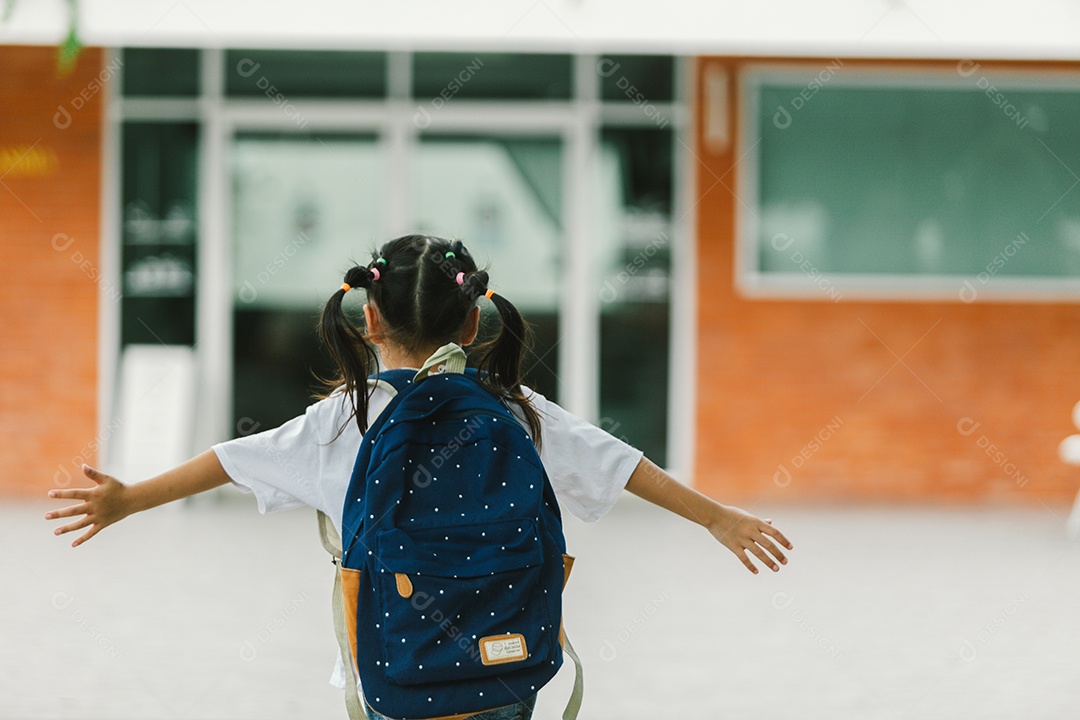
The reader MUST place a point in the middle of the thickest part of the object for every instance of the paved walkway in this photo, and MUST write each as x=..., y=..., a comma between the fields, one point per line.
x=208, y=610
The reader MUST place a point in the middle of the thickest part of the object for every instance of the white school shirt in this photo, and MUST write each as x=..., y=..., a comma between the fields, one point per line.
x=306, y=462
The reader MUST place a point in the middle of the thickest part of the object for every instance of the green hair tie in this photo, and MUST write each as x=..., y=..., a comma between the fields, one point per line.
x=381, y=260
x=449, y=254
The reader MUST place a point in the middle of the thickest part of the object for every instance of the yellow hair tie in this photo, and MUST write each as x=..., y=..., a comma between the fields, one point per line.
x=489, y=293
x=345, y=287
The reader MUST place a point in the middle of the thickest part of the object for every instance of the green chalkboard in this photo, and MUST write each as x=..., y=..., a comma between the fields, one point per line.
x=956, y=175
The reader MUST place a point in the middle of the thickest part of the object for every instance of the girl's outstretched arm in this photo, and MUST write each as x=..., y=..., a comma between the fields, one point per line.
x=736, y=529
x=111, y=500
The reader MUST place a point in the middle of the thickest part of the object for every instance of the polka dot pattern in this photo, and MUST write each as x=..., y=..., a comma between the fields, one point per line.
x=451, y=494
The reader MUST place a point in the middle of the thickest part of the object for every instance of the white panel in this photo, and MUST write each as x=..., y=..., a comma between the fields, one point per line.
x=213, y=300
x=717, y=128
x=682, y=373
x=855, y=28
x=157, y=410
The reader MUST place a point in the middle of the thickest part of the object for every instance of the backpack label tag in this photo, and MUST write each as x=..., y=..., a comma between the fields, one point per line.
x=496, y=649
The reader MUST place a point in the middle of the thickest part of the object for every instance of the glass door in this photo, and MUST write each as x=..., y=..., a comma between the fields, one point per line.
x=304, y=208
x=502, y=196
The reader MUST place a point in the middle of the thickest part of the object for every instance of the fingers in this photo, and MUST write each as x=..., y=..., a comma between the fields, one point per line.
x=778, y=535
x=77, y=525
x=771, y=549
x=764, y=558
x=98, y=477
x=86, y=536
x=741, y=554
x=81, y=509
x=74, y=494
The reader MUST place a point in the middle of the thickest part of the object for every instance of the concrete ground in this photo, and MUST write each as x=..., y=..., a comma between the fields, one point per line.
x=208, y=610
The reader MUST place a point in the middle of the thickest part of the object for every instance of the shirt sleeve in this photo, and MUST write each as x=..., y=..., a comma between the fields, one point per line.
x=588, y=467
x=286, y=467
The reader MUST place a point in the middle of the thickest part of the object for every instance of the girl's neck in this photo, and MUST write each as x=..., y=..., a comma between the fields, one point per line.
x=394, y=357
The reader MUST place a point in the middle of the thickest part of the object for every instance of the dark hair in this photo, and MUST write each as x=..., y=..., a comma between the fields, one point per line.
x=413, y=281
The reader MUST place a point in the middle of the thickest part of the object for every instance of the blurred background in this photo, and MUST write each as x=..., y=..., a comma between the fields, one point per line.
x=819, y=261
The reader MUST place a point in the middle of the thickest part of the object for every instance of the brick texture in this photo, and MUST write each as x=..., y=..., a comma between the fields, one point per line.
x=774, y=375
x=50, y=166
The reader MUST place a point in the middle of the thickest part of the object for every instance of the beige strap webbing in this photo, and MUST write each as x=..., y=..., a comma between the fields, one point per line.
x=573, y=705
x=332, y=542
x=450, y=358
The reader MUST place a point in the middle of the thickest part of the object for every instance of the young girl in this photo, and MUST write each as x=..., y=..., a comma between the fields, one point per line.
x=422, y=295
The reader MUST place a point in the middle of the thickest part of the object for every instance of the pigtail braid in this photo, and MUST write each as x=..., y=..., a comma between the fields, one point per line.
x=500, y=359
x=348, y=348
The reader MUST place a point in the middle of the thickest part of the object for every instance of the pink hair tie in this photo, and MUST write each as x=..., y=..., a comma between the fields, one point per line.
x=460, y=278
x=374, y=273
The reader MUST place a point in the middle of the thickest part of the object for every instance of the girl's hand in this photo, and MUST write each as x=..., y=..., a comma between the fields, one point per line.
x=739, y=532
x=102, y=505
x=736, y=529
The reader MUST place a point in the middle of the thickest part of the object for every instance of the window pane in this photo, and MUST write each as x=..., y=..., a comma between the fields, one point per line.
x=934, y=180
x=284, y=74
x=502, y=198
x=303, y=209
x=633, y=243
x=439, y=77
x=159, y=233
x=161, y=72
x=636, y=78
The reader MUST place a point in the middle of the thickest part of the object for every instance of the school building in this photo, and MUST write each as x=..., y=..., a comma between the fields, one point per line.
x=790, y=267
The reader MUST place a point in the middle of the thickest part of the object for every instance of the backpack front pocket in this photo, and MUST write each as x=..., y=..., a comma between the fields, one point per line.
x=461, y=601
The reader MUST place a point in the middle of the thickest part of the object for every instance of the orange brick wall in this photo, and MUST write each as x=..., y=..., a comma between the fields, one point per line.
x=50, y=207
x=774, y=374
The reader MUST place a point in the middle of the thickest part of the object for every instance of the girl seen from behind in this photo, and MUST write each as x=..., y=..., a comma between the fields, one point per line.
x=423, y=296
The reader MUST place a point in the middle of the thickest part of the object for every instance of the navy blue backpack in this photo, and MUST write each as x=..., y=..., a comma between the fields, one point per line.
x=453, y=557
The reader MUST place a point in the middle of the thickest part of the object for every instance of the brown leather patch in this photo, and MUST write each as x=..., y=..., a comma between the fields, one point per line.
x=567, y=566
x=350, y=595
x=404, y=585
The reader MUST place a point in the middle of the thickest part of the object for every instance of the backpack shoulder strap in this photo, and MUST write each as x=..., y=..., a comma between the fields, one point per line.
x=393, y=382
x=331, y=540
